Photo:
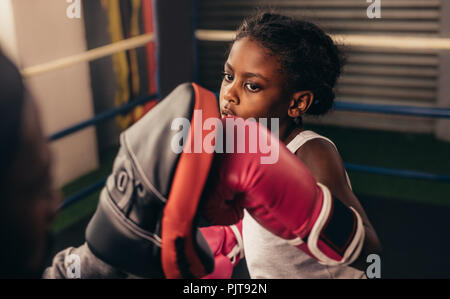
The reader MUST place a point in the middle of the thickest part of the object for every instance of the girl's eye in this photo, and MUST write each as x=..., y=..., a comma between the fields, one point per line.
x=227, y=77
x=252, y=87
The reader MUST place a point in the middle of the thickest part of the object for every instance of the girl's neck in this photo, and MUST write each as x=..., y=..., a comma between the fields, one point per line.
x=288, y=131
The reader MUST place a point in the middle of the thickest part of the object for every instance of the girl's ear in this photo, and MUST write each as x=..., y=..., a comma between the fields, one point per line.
x=300, y=103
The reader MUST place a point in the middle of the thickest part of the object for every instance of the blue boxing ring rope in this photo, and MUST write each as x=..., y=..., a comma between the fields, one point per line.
x=339, y=105
x=102, y=117
x=91, y=122
x=393, y=109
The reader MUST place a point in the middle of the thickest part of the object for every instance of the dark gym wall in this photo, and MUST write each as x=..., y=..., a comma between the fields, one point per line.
x=103, y=81
x=175, y=42
x=443, y=125
x=372, y=75
x=367, y=68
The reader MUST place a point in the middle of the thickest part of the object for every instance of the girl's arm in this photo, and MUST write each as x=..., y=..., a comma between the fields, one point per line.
x=326, y=165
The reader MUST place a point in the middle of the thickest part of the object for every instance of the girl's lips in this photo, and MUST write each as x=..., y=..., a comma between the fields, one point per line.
x=227, y=112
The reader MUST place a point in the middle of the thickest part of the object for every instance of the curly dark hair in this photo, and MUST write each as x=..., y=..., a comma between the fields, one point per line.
x=307, y=55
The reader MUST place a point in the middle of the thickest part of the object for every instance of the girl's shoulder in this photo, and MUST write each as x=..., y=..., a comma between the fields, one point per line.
x=307, y=137
x=321, y=156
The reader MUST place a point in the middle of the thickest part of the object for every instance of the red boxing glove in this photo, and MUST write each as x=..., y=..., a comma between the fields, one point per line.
x=227, y=246
x=283, y=197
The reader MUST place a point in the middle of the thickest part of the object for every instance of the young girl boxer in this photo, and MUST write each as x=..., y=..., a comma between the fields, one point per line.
x=279, y=67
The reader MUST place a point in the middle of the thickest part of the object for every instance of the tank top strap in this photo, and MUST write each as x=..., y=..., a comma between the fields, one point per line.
x=306, y=136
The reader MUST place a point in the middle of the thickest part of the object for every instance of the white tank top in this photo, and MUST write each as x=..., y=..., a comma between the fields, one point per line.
x=269, y=256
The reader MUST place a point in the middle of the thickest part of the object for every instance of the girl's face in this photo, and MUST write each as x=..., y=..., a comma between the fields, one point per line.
x=253, y=85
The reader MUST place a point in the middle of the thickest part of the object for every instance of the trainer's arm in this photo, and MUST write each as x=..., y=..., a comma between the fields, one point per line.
x=80, y=263
x=326, y=165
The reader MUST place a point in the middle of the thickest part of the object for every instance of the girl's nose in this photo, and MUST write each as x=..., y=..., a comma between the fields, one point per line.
x=231, y=95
